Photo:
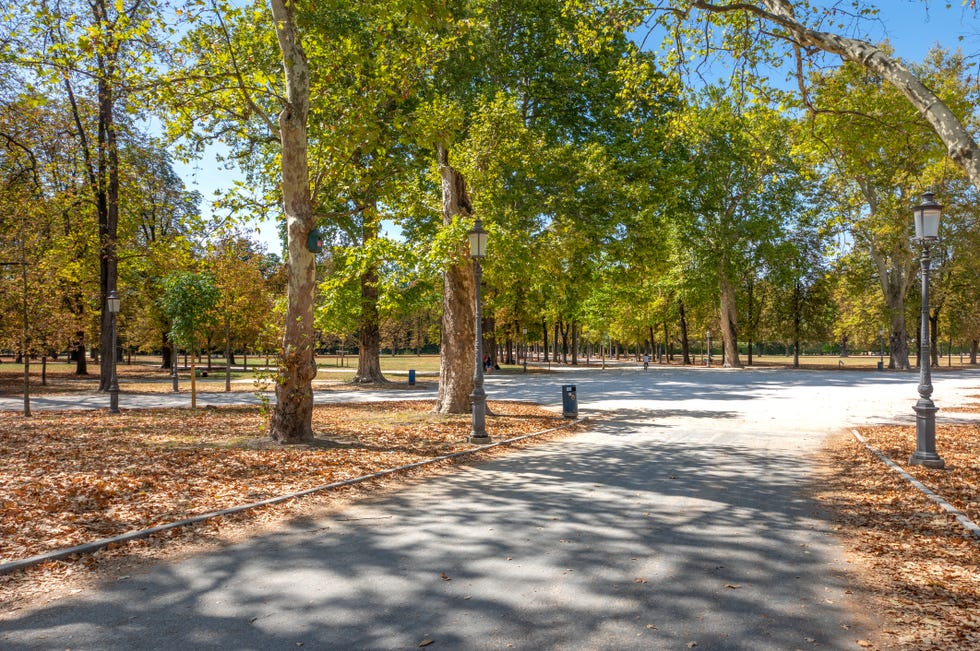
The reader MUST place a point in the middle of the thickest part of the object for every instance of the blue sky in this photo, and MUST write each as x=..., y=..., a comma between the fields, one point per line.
x=912, y=27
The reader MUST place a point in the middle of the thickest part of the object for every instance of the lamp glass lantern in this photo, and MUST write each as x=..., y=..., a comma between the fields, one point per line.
x=478, y=241
x=926, y=216
x=112, y=302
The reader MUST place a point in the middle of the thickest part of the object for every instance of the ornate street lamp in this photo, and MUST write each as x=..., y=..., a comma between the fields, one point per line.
x=112, y=304
x=927, y=216
x=478, y=251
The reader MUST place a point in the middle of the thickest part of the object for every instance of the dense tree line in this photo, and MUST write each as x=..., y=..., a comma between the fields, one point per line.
x=627, y=200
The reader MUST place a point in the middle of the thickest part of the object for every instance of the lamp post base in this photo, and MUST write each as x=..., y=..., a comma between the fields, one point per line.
x=927, y=460
x=479, y=440
x=925, y=436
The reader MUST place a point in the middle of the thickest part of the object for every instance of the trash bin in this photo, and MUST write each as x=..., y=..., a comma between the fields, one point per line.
x=569, y=404
x=881, y=366
x=411, y=377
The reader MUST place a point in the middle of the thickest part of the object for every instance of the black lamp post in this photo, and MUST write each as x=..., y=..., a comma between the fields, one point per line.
x=708, y=337
x=478, y=251
x=112, y=304
x=927, y=216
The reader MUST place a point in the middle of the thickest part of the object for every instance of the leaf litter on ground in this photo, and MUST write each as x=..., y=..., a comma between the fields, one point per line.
x=72, y=477
x=920, y=566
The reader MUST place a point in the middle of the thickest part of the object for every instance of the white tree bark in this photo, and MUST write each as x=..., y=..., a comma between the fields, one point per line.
x=292, y=416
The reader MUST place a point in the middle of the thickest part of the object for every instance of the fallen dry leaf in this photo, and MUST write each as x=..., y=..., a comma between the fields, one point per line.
x=919, y=564
x=77, y=476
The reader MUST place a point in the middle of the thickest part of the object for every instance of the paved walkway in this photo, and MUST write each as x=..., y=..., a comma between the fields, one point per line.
x=679, y=518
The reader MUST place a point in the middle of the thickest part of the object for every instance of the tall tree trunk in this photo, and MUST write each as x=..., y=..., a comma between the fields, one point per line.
x=898, y=341
x=456, y=356
x=934, y=335
x=168, y=356
x=554, y=342
x=489, y=328
x=797, y=319
x=227, y=353
x=544, y=336
x=78, y=350
x=564, y=342
x=102, y=177
x=685, y=344
x=292, y=416
x=574, y=328
x=750, y=322
x=369, y=324
x=974, y=345
x=729, y=324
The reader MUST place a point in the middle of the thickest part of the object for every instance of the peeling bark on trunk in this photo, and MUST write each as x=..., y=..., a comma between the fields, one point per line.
x=729, y=324
x=456, y=357
x=292, y=416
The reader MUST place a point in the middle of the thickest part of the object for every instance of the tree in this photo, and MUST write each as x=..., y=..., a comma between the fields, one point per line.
x=876, y=152
x=784, y=21
x=243, y=301
x=158, y=219
x=97, y=52
x=188, y=300
x=739, y=186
